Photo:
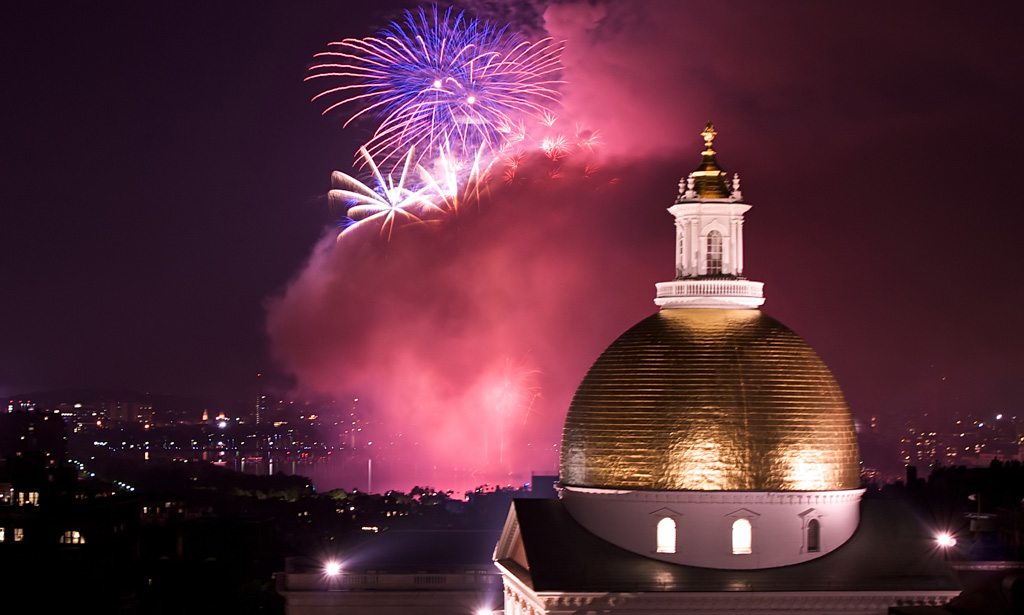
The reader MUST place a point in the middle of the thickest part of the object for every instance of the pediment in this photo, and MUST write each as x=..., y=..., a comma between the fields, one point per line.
x=744, y=513
x=510, y=543
x=666, y=512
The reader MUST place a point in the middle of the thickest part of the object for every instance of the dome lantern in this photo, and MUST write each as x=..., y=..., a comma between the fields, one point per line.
x=709, y=241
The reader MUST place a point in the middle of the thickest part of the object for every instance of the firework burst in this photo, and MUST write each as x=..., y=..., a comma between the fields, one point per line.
x=441, y=84
x=390, y=203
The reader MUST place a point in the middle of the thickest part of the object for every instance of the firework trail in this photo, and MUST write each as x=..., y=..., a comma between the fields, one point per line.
x=517, y=389
x=441, y=84
x=513, y=392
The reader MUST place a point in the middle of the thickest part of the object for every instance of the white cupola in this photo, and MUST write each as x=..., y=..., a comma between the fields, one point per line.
x=709, y=241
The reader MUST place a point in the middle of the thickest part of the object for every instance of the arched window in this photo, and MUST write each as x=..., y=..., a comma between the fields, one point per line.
x=714, y=255
x=667, y=535
x=813, y=536
x=741, y=537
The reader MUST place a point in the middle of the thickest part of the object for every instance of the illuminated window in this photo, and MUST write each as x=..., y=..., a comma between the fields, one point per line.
x=72, y=537
x=2, y=536
x=667, y=535
x=30, y=498
x=714, y=255
x=19, y=534
x=741, y=537
x=813, y=536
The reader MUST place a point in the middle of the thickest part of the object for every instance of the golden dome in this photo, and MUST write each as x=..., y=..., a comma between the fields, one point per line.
x=710, y=400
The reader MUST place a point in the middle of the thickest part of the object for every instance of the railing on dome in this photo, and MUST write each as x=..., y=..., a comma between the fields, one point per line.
x=710, y=288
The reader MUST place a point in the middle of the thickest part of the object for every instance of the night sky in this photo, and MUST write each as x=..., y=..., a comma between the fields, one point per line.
x=166, y=228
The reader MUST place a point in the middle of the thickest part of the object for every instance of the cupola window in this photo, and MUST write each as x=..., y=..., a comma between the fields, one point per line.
x=666, y=535
x=714, y=254
x=741, y=537
x=813, y=536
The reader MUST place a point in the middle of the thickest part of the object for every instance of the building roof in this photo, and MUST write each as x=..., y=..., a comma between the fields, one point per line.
x=891, y=551
x=710, y=400
x=411, y=551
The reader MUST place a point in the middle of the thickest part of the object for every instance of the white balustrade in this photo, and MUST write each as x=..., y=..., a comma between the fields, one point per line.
x=710, y=293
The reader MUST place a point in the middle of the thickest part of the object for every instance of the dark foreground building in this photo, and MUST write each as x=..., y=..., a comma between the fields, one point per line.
x=398, y=573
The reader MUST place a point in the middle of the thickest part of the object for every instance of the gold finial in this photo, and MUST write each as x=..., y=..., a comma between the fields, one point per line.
x=709, y=178
x=709, y=136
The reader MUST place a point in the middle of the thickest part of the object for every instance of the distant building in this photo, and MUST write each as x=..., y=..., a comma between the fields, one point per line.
x=51, y=527
x=971, y=442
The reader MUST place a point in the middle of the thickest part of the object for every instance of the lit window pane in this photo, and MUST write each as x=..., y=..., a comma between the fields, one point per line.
x=72, y=537
x=741, y=537
x=666, y=536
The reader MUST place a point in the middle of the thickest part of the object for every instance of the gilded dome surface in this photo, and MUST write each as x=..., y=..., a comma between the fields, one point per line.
x=710, y=399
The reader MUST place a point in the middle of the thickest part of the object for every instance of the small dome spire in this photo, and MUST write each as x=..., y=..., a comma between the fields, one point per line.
x=709, y=136
x=709, y=178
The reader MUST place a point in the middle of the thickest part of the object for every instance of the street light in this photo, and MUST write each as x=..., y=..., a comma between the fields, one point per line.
x=332, y=569
x=945, y=540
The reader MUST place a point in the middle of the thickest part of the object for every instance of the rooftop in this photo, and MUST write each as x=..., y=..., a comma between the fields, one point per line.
x=891, y=551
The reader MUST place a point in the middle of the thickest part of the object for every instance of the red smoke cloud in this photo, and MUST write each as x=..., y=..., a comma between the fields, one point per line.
x=469, y=339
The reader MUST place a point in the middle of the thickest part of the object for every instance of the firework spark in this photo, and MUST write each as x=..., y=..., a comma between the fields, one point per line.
x=457, y=182
x=390, y=203
x=441, y=83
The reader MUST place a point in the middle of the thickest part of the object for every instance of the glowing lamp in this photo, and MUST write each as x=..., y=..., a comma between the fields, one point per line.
x=332, y=569
x=945, y=540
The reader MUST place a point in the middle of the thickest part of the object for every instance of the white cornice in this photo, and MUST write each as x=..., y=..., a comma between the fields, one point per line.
x=743, y=601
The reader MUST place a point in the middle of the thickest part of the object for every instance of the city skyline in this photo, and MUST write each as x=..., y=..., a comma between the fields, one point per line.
x=162, y=196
